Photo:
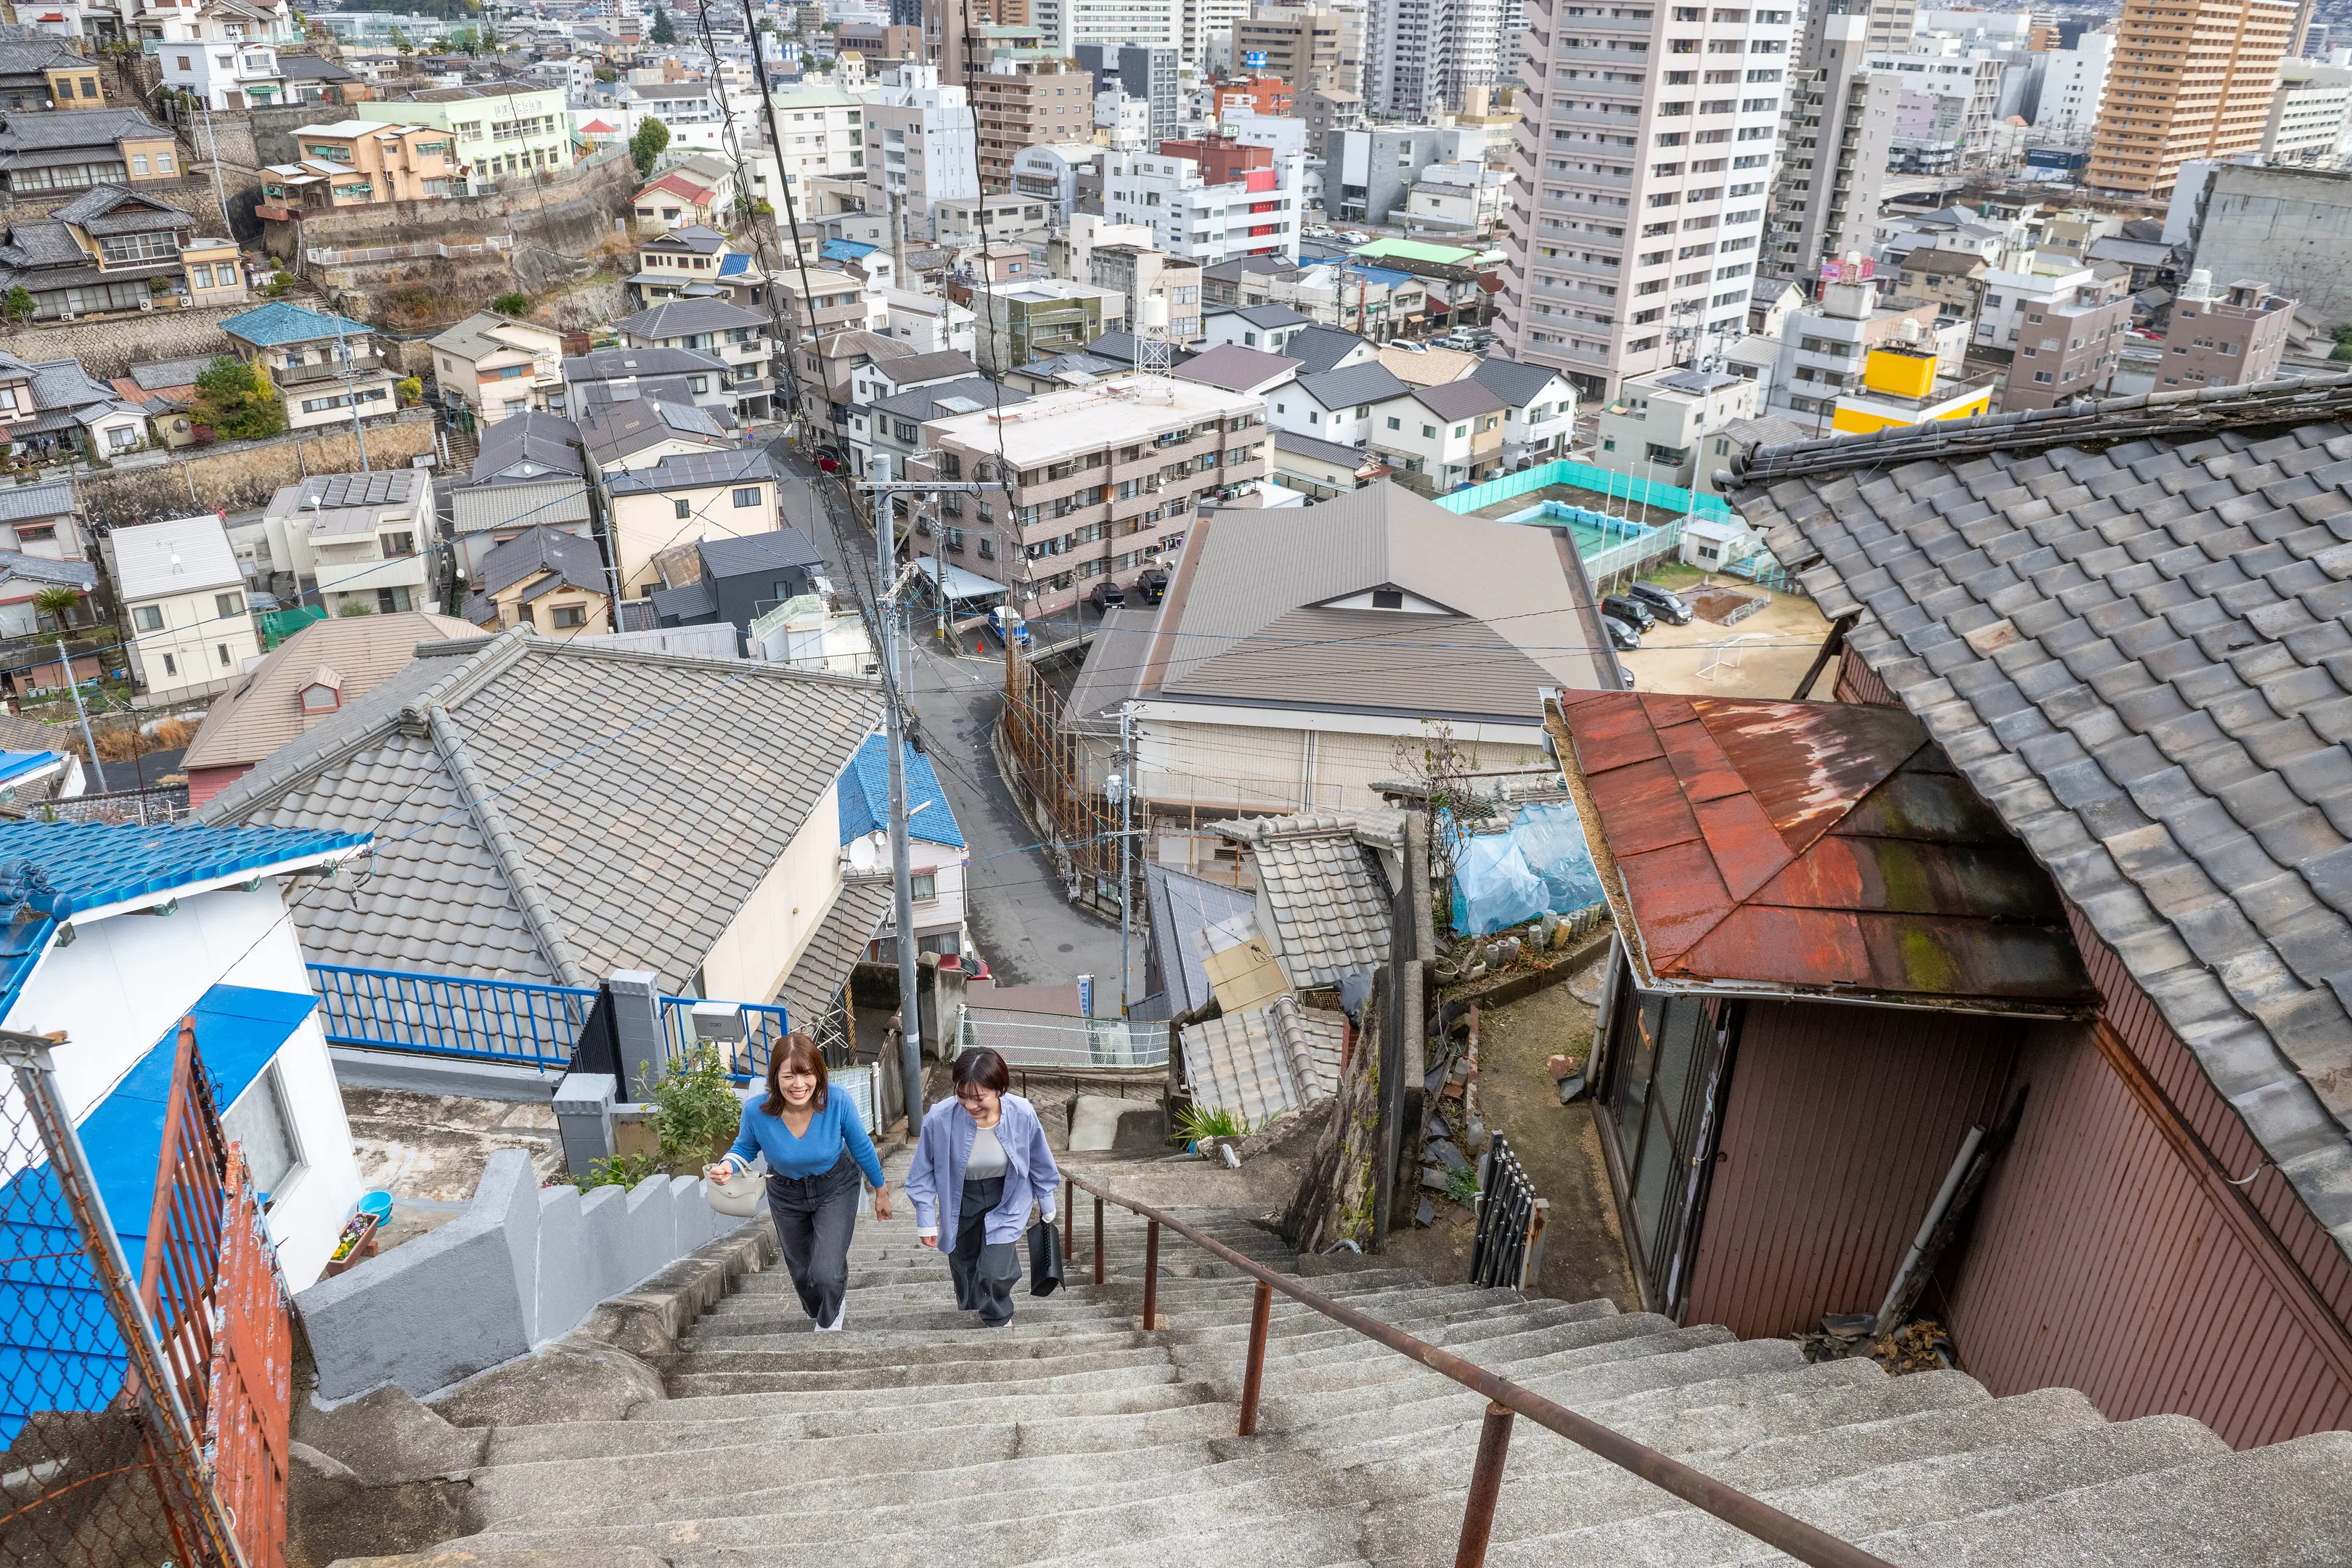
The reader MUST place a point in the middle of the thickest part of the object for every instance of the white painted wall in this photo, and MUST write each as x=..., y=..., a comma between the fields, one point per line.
x=128, y=979
x=760, y=946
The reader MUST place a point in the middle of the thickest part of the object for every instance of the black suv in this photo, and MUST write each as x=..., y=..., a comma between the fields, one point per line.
x=1151, y=584
x=1106, y=595
x=1663, y=603
x=1632, y=612
x=1621, y=634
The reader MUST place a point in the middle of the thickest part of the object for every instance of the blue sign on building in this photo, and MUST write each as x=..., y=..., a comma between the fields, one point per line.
x=1255, y=59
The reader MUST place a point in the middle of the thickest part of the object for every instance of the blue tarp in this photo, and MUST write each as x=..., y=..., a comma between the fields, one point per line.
x=1540, y=865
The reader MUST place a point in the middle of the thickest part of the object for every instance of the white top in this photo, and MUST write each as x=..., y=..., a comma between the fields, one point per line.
x=987, y=1157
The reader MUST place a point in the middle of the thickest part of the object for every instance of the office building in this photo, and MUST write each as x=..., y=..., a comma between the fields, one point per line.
x=1029, y=103
x=1307, y=47
x=1146, y=71
x=2176, y=92
x=1636, y=218
x=919, y=146
x=2311, y=117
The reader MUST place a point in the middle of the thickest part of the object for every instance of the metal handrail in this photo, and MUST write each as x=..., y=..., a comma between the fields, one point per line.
x=1751, y=1516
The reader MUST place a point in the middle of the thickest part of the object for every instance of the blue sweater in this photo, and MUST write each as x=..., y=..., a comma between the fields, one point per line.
x=832, y=1129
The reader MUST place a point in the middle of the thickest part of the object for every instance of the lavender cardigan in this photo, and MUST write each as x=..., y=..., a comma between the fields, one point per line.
x=935, y=1179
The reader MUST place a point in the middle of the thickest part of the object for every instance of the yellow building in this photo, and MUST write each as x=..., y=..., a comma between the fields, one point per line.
x=1900, y=386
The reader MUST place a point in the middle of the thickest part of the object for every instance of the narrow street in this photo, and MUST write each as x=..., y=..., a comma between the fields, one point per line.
x=1022, y=919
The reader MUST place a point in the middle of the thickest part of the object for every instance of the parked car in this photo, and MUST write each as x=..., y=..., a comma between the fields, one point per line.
x=1627, y=677
x=1663, y=603
x=1634, y=612
x=1151, y=584
x=1106, y=595
x=1622, y=634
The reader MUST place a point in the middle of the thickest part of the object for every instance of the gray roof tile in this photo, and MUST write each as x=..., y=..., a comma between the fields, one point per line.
x=1264, y=1062
x=1323, y=906
x=2173, y=602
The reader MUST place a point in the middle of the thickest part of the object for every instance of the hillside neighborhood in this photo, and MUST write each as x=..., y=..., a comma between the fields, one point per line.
x=1618, y=734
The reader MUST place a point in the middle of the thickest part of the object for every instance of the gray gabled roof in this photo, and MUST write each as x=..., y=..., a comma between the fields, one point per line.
x=1268, y=315
x=618, y=429
x=1518, y=384
x=1459, y=399
x=19, y=503
x=923, y=401
x=1322, y=348
x=2125, y=622
x=532, y=819
x=620, y=364
x=1234, y=368
x=746, y=552
x=684, y=318
x=530, y=447
x=1322, y=899
x=1357, y=384
x=944, y=364
x=576, y=560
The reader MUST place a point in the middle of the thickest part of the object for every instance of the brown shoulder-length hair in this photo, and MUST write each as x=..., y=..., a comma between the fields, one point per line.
x=795, y=1051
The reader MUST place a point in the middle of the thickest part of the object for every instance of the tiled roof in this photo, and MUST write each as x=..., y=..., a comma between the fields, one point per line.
x=694, y=470
x=18, y=502
x=942, y=365
x=866, y=796
x=576, y=561
x=18, y=566
x=614, y=431
x=685, y=318
x=280, y=323
x=775, y=549
x=1815, y=847
x=530, y=444
x=859, y=909
x=619, y=364
x=1518, y=384
x=1265, y=1061
x=1371, y=381
x=537, y=816
x=1322, y=348
x=1234, y=368
x=924, y=402
x=90, y=865
x=1183, y=908
x=2126, y=624
x=1459, y=399
x=1322, y=906
x=264, y=711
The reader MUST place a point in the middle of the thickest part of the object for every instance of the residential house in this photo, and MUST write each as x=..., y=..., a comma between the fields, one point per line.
x=531, y=470
x=183, y=598
x=1656, y=427
x=165, y=391
x=223, y=53
x=544, y=578
x=43, y=73
x=300, y=684
x=359, y=162
x=2152, y=720
x=938, y=858
x=750, y=756
x=1443, y=436
x=23, y=578
x=68, y=150
x=2235, y=338
x=605, y=377
x=1237, y=369
x=314, y=79
x=831, y=365
x=1954, y=280
x=1342, y=406
x=737, y=337
x=498, y=128
x=735, y=579
x=688, y=196
x=888, y=376
x=324, y=366
x=188, y=925
x=41, y=519
x=1539, y=409
x=112, y=249
x=1321, y=470
x=1140, y=273
x=928, y=324
x=1267, y=327
x=683, y=257
x=1328, y=348
x=497, y=365
x=361, y=542
x=1103, y=481
x=1425, y=366
x=636, y=433
x=816, y=300
x=895, y=428
x=1241, y=708
x=52, y=409
x=682, y=497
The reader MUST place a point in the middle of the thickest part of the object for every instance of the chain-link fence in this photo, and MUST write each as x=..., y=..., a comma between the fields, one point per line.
x=103, y=1465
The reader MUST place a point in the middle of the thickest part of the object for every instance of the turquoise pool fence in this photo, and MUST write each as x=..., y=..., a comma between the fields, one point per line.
x=1586, y=475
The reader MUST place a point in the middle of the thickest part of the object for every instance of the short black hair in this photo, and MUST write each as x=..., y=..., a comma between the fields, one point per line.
x=982, y=1068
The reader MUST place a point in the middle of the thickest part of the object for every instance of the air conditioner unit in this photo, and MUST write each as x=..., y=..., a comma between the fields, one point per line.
x=148, y=303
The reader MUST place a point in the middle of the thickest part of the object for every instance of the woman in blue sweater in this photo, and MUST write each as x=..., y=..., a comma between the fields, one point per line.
x=816, y=1147
x=982, y=1161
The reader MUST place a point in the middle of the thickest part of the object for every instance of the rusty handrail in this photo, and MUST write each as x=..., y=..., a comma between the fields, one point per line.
x=1752, y=1516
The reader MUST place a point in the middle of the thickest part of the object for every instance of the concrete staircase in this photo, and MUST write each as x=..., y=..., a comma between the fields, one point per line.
x=1074, y=1438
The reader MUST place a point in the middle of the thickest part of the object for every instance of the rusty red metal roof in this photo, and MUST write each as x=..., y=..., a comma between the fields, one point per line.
x=1815, y=847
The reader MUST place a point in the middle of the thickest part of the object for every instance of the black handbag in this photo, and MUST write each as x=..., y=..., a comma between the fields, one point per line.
x=1044, y=1258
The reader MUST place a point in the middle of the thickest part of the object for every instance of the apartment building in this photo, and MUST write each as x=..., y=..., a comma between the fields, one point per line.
x=1824, y=346
x=1307, y=47
x=2311, y=117
x=1837, y=133
x=822, y=150
x=358, y=162
x=1657, y=426
x=1368, y=173
x=1105, y=482
x=1424, y=58
x=2191, y=78
x=1139, y=273
x=224, y=57
x=1029, y=103
x=1258, y=214
x=498, y=128
x=736, y=337
x=1636, y=215
x=2233, y=338
x=2074, y=83
x=918, y=144
x=2029, y=283
x=1016, y=322
x=1437, y=437
x=2068, y=347
x=1142, y=71
x=1056, y=174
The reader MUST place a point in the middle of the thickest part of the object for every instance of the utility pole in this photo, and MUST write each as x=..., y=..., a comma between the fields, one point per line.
x=1125, y=838
x=902, y=874
x=65, y=660
x=350, y=390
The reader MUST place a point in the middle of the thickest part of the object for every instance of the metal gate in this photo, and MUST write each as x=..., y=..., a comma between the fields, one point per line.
x=143, y=1415
x=1509, y=1247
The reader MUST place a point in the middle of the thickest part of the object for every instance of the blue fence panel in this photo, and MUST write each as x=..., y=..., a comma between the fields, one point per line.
x=764, y=1028
x=514, y=1021
x=1602, y=481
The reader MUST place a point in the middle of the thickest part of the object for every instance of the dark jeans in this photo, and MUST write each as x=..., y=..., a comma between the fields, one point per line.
x=815, y=1216
x=983, y=1270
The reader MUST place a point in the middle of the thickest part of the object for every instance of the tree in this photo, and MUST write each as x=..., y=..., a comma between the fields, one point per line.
x=400, y=41
x=410, y=388
x=663, y=32
x=515, y=304
x=19, y=302
x=646, y=147
x=59, y=604
x=606, y=73
x=350, y=607
x=464, y=40
x=238, y=400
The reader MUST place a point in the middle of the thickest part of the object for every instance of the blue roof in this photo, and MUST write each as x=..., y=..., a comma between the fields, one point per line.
x=85, y=865
x=865, y=797
x=845, y=250
x=16, y=765
x=1387, y=275
x=280, y=323
x=734, y=265
x=65, y=1353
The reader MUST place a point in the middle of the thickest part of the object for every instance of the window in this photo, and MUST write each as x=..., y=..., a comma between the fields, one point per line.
x=926, y=886
x=259, y=1123
x=148, y=617
x=221, y=648
x=171, y=664
x=402, y=542
x=228, y=604
x=1395, y=422
x=569, y=617
x=684, y=509
x=748, y=495
x=699, y=383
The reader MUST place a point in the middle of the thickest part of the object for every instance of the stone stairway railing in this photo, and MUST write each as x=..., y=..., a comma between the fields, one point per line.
x=1506, y=1400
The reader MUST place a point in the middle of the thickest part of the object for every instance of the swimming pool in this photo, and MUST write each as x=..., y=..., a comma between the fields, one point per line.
x=1594, y=531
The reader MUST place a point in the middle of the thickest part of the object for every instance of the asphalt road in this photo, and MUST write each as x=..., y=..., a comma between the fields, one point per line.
x=1019, y=909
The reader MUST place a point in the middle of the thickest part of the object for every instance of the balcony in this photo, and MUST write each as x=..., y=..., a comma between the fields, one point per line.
x=358, y=366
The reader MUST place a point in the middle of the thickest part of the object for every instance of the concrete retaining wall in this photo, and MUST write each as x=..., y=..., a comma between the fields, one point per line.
x=238, y=475
x=524, y=1266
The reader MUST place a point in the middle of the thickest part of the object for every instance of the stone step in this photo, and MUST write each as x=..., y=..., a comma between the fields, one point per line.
x=690, y=1403
x=984, y=1369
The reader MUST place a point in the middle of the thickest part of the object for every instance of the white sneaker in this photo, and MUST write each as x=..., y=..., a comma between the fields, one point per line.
x=834, y=1327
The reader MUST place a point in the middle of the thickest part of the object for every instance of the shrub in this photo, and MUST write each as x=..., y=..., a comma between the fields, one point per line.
x=1197, y=1123
x=696, y=1113
x=1462, y=1185
x=236, y=400
x=515, y=304
x=350, y=607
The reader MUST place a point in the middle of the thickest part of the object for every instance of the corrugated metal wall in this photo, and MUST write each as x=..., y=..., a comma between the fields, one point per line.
x=1841, y=1124
x=2110, y=1257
